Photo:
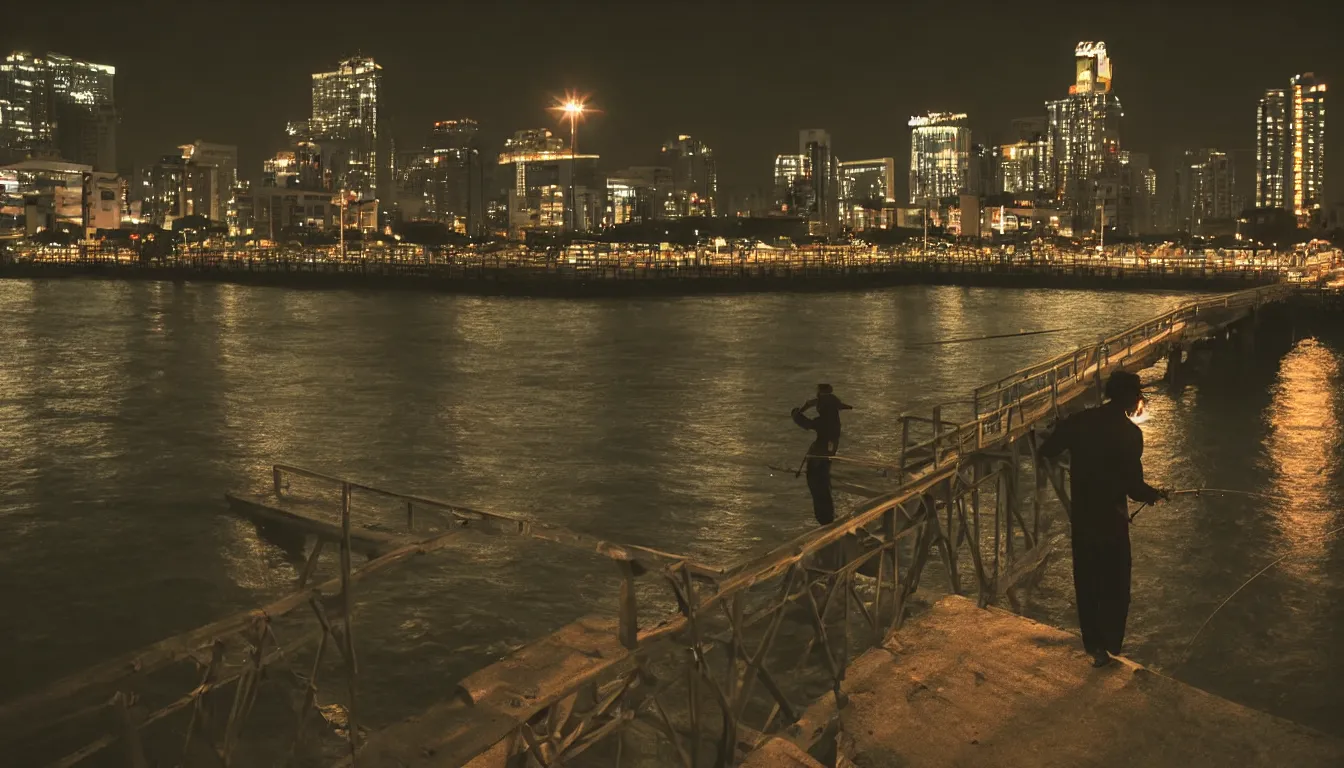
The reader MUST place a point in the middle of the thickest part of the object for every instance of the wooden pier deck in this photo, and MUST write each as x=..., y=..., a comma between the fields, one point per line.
x=968, y=686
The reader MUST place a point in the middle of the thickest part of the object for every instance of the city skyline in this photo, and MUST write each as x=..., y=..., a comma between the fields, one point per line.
x=734, y=101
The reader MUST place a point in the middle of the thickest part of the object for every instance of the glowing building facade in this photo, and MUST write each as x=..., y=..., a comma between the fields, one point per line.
x=442, y=181
x=1290, y=147
x=940, y=156
x=1271, y=143
x=1307, y=155
x=793, y=191
x=346, y=124
x=59, y=106
x=695, y=182
x=543, y=171
x=867, y=193
x=1083, y=130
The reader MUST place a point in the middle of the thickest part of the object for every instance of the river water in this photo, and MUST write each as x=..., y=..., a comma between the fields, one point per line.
x=127, y=409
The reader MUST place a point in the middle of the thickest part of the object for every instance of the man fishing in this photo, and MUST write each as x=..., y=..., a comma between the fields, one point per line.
x=1106, y=454
x=827, y=427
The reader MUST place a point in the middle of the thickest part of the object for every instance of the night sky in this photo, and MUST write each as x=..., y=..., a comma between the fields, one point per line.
x=742, y=76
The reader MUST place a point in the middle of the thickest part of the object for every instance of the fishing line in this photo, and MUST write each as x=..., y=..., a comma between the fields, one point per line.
x=985, y=338
x=1202, y=491
x=1245, y=584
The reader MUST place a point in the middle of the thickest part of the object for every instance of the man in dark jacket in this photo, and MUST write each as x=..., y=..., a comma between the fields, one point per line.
x=818, y=466
x=1106, y=465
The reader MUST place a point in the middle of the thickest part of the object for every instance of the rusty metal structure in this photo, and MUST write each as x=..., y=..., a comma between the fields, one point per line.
x=746, y=654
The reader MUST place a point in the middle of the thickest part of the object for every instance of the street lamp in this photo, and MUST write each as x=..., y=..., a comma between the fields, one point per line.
x=572, y=108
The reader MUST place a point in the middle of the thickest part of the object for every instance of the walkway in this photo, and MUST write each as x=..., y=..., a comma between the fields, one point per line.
x=965, y=686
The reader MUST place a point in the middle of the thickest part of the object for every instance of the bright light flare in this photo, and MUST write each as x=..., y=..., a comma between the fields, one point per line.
x=573, y=106
x=1141, y=413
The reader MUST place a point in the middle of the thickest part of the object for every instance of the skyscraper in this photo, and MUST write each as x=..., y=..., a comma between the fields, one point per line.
x=820, y=167
x=695, y=183
x=793, y=191
x=455, y=186
x=1271, y=142
x=347, y=124
x=940, y=155
x=60, y=106
x=1203, y=191
x=1308, y=145
x=1290, y=147
x=1083, y=130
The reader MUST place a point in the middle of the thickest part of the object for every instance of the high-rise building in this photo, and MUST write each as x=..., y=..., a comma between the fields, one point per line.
x=542, y=171
x=1023, y=168
x=1083, y=130
x=940, y=155
x=1271, y=147
x=346, y=123
x=1136, y=189
x=793, y=193
x=454, y=182
x=1203, y=192
x=224, y=159
x=1290, y=147
x=1308, y=145
x=867, y=193
x=174, y=188
x=695, y=182
x=820, y=168
x=60, y=106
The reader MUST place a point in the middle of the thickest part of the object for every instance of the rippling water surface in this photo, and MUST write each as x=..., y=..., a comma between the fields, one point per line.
x=128, y=409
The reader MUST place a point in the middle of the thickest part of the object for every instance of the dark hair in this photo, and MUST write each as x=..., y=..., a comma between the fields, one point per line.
x=1122, y=385
x=824, y=389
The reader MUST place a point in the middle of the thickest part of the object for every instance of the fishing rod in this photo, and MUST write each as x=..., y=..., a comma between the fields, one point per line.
x=1202, y=491
x=986, y=338
x=1190, y=644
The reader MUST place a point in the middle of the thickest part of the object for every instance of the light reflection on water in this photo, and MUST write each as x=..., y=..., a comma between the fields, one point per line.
x=127, y=409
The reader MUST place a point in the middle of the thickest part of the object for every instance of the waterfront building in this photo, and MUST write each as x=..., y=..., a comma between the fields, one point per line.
x=1136, y=194
x=1083, y=130
x=224, y=159
x=867, y=193
x=821, y=170
x=59, y=106
x=174, y=188
x=1204, y=192
x=442, y=181
x=543, y=171
x=641, y=194
x=346, y=126
x=1022, y=168
x=1271, y=149
x=38, y=194
x=940, y=156
x=1307, y=147
x=793, y=193
x=695, y=184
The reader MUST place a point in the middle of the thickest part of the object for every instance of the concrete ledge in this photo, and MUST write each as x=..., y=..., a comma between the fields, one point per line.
x=964, y=686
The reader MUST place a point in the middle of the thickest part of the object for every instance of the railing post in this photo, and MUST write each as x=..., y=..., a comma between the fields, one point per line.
x=275, y=479
x=937, y=431
x=628, y=627
x=347, y=605
x=410, y=516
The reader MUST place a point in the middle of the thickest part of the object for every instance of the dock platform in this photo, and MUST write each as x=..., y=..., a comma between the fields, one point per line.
x=966, y=686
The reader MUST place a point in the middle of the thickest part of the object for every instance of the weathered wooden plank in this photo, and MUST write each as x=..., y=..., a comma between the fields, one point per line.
x=268, y=511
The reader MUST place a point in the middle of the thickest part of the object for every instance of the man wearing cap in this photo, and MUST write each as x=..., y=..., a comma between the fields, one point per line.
x=1106, y=466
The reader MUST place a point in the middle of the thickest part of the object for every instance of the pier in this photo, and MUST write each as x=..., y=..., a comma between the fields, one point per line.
x=880, y=639
x=602, y=269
